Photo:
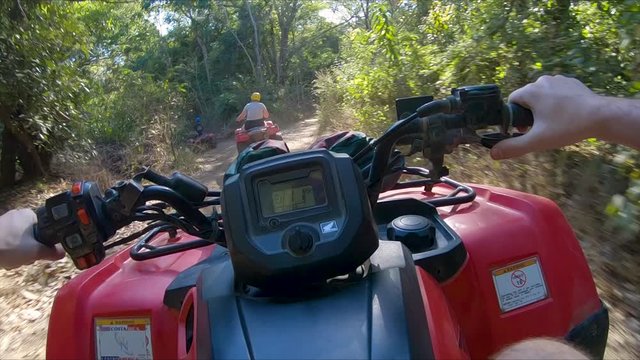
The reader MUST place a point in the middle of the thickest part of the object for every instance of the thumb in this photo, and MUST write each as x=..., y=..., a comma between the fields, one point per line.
x=514, y=147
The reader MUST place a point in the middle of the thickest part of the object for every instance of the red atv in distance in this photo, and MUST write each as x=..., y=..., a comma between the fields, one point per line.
x=200, y=140
x=203, y=142
x=256, y=130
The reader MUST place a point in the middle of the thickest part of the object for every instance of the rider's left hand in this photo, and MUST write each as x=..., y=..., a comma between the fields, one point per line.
x=17, y=244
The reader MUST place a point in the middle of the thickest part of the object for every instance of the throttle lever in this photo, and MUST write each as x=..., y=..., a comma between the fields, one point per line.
x=491, y=139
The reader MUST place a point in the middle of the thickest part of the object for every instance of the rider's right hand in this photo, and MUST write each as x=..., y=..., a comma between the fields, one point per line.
x=565, y=111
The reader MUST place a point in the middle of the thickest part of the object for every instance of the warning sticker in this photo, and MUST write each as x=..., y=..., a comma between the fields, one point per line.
x=123, y=338
x=519, y=284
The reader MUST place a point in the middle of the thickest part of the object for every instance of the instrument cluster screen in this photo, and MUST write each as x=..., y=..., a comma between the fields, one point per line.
x=296, y=193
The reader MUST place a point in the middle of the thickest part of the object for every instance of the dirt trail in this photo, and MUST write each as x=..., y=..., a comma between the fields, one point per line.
x=27, y=293
x=215, y=163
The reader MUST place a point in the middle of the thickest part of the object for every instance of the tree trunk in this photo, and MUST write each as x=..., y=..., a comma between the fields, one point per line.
x=366, y=12
x=272, y=50
x=201, y=45
x=29, y=152
x=205, y=59
x=256, y=45
x=200, y=94
x=423, y=7
x=559, y=38
x=30, y=157
x=286, y=13
x=282, y=55
x=8, y=159
x=29, y=167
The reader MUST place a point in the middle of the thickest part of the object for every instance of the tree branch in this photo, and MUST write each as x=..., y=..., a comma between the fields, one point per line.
x=256, y=44
x=305, y=42
x=235, y=36
x=22, y=10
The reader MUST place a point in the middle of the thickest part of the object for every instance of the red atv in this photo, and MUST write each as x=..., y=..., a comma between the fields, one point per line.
x=256, y=130
x=203, y=142
x=325, y=254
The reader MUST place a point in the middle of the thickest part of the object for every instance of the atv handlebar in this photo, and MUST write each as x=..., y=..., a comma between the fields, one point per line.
x=83, y=220
x=444, y=124
x=520, y=116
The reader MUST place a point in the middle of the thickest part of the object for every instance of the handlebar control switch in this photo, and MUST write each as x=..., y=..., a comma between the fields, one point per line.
x=474, y=92
x=72, y=218
x=124, y=198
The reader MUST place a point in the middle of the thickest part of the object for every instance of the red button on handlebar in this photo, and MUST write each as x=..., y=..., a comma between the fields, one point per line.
x=84, y=217
x=86, y=261
x=91, y=259
x=81, y=263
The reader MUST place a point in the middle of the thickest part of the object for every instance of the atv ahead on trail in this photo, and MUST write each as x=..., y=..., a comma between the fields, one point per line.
x=203, y=141
x=325, y=253
x=255, y=132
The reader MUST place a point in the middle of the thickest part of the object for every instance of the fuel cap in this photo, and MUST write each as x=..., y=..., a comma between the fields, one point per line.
x=416, y=232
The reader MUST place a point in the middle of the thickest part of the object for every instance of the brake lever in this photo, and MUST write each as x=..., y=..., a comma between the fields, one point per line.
x=416, y=147
x=491, y=139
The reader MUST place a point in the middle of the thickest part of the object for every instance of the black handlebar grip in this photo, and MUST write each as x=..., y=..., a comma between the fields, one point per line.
x=520, y=116
x=490, y=140
x=42, y=231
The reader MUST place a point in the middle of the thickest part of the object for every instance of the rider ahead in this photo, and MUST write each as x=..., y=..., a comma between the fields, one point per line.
x=254, y=113
x=198, y=127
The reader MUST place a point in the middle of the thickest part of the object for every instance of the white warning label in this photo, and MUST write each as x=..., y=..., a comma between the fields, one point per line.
x=123, y=338
x=519, y=284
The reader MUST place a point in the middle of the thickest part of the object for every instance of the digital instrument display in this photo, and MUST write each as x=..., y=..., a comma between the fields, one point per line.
x=299, y=193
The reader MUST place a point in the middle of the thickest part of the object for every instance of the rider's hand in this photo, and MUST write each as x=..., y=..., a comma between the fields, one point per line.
x=565, y=111
x=17, y=245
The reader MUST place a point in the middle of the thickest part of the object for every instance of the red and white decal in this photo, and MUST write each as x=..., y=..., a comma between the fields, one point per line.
x=519, y=284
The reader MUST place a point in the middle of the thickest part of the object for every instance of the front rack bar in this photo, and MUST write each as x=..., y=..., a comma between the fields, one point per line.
x=448, y=200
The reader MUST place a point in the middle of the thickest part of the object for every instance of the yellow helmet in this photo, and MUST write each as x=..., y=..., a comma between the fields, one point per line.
x=255, y=96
